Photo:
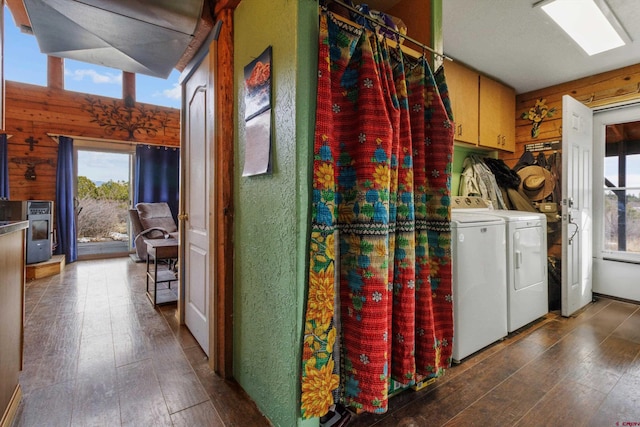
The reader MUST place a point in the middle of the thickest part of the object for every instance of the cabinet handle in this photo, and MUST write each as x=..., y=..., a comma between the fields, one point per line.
x=498, y=139
x=460, y=130
x=504, y=140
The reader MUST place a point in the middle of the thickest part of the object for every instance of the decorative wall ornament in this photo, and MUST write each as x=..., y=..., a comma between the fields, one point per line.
x=537, y=114
x=132, y=119
x=31, y=162
x=31, y=141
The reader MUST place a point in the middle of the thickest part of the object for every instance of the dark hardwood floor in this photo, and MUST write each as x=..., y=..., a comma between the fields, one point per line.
x=98, y=354
x=578, y=371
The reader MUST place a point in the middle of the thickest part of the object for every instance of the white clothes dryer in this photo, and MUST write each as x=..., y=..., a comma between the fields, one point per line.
x=479, y=282
x=527, y=281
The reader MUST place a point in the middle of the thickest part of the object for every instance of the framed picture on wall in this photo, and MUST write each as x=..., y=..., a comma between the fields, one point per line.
x=257, y=83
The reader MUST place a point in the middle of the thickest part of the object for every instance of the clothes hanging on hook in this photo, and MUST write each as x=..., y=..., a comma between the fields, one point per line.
x=542, y=160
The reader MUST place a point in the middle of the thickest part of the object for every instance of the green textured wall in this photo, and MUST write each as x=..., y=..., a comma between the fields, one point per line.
x=271, y=221
x=272, y=211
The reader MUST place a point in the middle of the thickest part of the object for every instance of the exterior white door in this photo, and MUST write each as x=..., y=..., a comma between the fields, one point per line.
x=616, y=183
x=198, y=161
x=577, y=230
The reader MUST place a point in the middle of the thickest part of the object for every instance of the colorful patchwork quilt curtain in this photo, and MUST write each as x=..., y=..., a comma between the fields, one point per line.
x=379, y=303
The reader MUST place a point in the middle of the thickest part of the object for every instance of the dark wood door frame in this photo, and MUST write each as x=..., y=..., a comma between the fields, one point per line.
x=224, y=131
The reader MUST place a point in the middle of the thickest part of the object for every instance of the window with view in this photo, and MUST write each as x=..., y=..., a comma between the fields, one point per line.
x=93, y=79
x=155, y=91
x=621, y=220
x=23, y=61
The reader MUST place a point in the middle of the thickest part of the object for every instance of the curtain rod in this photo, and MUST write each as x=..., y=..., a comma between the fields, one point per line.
x=55, y=136
x=386, y=27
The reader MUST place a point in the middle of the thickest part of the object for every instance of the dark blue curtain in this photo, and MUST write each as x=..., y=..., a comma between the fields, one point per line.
x=157, y=176
x=65, y=208
x=4, y=167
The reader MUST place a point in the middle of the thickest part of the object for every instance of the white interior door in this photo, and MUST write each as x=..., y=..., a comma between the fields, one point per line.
x=577, y=233
x=198, y=152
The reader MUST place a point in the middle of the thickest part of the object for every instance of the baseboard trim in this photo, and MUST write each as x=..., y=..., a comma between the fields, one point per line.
x=12, y=409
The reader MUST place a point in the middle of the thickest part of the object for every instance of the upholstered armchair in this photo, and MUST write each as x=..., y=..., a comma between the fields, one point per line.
x=151, y=221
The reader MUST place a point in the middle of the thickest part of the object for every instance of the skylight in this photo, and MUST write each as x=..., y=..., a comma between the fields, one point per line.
x=593, y=26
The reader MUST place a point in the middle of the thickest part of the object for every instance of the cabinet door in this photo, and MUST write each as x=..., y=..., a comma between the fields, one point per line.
x=508, y=128
x=464, y=91
x=497, y=115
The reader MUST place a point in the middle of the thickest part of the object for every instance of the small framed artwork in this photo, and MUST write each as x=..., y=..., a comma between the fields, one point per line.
x=257, y=117
x=257, y=83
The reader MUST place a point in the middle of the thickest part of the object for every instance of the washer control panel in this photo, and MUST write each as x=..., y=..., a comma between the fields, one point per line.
x=469, y=202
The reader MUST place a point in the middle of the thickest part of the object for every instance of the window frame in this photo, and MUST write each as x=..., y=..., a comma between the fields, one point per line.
x=602, y=119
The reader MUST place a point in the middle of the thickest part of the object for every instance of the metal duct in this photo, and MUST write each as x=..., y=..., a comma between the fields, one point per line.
x=139, y=36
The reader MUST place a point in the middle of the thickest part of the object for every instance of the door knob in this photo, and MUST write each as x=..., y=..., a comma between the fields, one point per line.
x=183, y=217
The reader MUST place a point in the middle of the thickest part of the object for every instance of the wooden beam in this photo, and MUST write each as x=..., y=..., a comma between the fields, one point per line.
x=19, y=13
x=224, y=115
x=129, y=87
x=55, y=72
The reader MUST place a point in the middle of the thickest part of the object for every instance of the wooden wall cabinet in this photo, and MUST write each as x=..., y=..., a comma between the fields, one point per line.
x=464, y=91
x=12, y=244
x=497, y=115
x=483, y=109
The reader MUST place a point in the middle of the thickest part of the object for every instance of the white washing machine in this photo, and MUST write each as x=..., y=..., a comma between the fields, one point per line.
x=479, y=281
x=527, y=290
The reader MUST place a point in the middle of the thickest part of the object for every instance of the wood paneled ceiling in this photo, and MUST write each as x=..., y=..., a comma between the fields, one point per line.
x=628, y=132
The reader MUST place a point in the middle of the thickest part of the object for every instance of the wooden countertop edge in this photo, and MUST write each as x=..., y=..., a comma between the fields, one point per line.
x=12, y=226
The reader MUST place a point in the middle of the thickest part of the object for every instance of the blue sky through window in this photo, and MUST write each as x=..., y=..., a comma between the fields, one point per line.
x=101, y=167
x=24, y=63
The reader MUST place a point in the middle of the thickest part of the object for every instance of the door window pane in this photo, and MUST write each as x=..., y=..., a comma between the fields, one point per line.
x=633, y=171
x=633, y=220
x=611, y=171
x=622, y=220
x=621, y=213
x=611, y=221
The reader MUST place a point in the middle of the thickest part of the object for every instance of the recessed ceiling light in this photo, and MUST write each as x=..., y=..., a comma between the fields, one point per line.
x=590, y=23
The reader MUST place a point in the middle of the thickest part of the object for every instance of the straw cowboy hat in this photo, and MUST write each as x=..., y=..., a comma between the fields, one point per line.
x=536, y=182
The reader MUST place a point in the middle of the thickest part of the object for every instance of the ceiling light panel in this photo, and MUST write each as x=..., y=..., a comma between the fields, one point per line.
x=592, y=26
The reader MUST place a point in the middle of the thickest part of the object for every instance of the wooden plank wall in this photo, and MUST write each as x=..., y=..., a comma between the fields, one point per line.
x=32, y=112
x=602, y=89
